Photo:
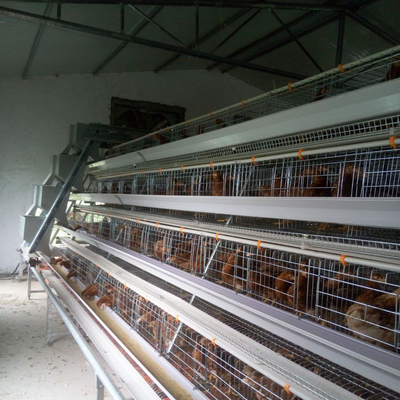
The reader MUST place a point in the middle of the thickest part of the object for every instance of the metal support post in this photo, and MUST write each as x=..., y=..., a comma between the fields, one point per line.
x=99, y=389
x=340, y=39
x=61, y=196
x=51, y=333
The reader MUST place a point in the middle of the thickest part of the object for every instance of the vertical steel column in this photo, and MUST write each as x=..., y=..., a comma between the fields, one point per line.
x=197, y=27
x=339, y=47
x=122, y=18
x=61, y=196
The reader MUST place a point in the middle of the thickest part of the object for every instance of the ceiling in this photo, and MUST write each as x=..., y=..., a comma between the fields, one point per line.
x=265, y=44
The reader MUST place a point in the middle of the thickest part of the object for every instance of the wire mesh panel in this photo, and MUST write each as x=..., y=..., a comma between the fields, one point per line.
x=381, y=67
x=211, y=369
x=219, y=373
x=352, y=299
x=371, y=172
x=343, y=377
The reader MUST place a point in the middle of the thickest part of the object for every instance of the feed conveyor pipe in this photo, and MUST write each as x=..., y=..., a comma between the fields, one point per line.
x=295, y=378
x=342, y=258
x=390, y=141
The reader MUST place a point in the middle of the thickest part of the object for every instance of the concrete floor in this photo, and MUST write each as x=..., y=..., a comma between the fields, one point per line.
x=29, y=369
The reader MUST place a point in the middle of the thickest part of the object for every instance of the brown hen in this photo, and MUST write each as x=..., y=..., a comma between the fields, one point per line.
x=372, y=316
x=90, y=291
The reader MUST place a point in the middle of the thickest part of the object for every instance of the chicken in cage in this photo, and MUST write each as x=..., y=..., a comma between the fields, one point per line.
x=212, y=369
x=355, y=300
x=366, y=173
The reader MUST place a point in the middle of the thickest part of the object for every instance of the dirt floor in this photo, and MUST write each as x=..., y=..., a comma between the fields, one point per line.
x=29, y=369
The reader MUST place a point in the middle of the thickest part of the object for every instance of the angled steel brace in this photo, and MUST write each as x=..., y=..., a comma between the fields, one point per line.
x=121, y=46
x=321, y=21
x=205, y=37
x=151, y=20
x=36, y=43
x=373, y=28
x=64, y=192
x=29, y=17
x=293, y=36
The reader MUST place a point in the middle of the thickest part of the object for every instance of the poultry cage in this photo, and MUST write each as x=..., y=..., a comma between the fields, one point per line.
x=263, y=264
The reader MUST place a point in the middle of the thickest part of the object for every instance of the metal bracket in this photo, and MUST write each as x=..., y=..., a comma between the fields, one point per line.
x=51, y=334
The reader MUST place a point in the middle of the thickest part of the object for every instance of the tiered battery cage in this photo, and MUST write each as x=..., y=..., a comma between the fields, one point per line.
x=256, y=249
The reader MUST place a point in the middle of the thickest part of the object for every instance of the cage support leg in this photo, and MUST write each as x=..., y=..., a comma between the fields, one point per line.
x=99, y=389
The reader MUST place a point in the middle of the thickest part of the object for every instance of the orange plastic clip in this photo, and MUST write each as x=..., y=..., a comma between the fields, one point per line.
x=177, y=318
x=342, y=260
x=138, y=221
x=213, y=341
x=159, y=170
x=157, y=225
x=253, y=160
x=300, y=154
x=186, y=122
x=216, y=237
x=211, y=165
x=211, y=114
x=142, y=171
x=341, y=69
x=125, y=285
x=182, y=230
x=147, y=299
x=182, y=168
x=287, y=386
x=244, y=102
x=392, y=143
x=289, y=85
x=259, y=245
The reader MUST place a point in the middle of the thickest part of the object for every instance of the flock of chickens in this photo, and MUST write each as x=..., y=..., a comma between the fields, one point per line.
x=363, y=307
x=341, y=299
x=372, y=313
x=192, y=353
x=315, y=181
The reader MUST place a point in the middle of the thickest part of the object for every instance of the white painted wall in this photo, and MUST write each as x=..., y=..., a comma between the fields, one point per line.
x=35, y=116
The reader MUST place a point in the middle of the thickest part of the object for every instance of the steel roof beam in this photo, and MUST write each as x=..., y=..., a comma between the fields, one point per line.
x=305, y=51
x=36, y=43
x=162, y=29
x=72, y=26
x=373, y=28
x=121, y=46
x=204, y=3
x=207, y=36
x=235, y=31
x=320, y=21
x=278, y=31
